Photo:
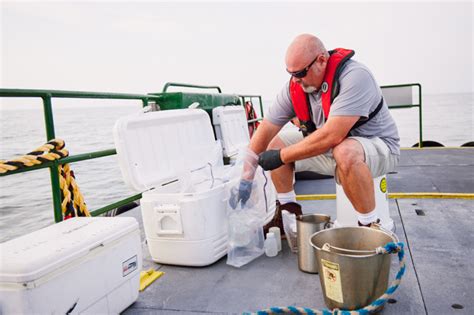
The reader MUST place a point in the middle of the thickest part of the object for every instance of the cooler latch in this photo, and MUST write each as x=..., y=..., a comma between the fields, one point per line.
x=168, y=219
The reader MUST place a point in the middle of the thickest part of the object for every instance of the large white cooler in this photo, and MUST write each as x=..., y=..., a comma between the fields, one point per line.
x=173, y=158
x=81, y=265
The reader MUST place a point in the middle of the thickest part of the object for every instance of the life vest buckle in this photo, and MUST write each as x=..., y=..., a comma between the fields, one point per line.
x=304, y=129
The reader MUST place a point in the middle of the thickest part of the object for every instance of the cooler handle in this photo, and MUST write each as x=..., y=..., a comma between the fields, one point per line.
x=168, y=220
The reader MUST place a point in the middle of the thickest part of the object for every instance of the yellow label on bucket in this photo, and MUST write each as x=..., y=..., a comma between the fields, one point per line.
x=332, y=281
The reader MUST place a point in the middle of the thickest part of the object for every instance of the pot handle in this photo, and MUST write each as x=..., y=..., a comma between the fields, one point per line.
x=328, y=225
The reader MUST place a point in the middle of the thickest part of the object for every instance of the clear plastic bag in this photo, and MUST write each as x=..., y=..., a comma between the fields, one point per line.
x=246, y=219
x=246, y=241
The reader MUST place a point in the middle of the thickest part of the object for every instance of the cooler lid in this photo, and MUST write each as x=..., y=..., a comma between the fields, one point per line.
x=159, y=147
x=34, y=255
x=234, y=131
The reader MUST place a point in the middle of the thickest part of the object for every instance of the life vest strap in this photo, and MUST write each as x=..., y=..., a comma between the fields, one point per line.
x=372, y=115
x=302, y=108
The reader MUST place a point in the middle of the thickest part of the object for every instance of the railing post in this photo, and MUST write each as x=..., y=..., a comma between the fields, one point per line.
x=56, y=190
x=420, y=116
x=53, y=169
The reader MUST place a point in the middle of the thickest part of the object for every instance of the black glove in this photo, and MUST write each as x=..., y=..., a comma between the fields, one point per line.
x=270, y=160
x=242, y=194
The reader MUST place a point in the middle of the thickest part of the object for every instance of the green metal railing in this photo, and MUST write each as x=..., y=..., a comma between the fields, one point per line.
x=47, y=96
x=410, y=105
x=194, y=86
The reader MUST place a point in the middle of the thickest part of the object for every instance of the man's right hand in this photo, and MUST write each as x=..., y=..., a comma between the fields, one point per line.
x=270, y=160
x=242, y=194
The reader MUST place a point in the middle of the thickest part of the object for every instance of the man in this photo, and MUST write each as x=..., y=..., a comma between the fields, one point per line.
x=347, y=129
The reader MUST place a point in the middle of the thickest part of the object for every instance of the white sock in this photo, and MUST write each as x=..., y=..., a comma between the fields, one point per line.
x=286, y=197
x=367, y=218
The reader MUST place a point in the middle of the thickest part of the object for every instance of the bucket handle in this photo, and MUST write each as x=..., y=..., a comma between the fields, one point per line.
x=327, y=247
x=381, y=228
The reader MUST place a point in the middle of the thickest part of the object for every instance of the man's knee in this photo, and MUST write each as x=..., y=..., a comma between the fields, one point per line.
x=348, y=154
x=276, y=144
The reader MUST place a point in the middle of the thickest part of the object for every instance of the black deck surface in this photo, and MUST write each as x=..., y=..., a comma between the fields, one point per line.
x=439, y=255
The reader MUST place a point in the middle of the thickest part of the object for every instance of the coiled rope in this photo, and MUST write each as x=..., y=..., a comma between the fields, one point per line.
x=390, y=248
x=72, y=204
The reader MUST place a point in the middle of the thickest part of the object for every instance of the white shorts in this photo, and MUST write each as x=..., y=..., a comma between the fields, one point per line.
x=378, y=157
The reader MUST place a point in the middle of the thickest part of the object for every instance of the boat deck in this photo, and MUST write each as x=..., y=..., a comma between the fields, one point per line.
x=440, y=271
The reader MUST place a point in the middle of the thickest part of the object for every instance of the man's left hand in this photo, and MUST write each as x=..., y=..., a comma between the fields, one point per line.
x=270, y=160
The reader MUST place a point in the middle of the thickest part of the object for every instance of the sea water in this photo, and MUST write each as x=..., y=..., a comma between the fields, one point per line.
x=86, y=125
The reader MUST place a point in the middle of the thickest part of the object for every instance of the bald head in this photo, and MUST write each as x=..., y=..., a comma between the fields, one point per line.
x=302, y=51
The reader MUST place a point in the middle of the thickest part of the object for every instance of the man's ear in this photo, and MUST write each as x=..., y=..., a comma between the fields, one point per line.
x=324, y=62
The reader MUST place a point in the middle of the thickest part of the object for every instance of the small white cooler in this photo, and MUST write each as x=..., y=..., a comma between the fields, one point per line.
x=173, y=158
x=81, y=265
x=347, y=215
x=231, y=128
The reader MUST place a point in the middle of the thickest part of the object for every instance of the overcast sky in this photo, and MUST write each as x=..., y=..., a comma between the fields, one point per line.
x=137, y=47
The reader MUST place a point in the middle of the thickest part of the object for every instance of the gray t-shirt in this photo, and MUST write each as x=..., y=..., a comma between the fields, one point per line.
x=359, y=95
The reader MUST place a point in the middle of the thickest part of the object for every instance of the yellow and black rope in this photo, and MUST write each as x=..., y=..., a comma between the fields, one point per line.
x=50, y=151
x=72, y=204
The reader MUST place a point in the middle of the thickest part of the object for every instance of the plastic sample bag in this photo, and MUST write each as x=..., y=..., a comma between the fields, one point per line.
x=246, y=210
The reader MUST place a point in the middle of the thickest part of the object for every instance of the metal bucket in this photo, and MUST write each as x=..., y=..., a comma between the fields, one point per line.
x=306, y=226
x=352, y=274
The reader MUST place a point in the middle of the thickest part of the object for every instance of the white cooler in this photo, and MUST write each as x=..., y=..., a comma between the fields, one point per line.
x=173, y=157
x=231, y=128
x=81, y=265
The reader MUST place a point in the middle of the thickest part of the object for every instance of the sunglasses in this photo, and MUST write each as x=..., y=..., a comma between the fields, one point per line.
x=302, y=73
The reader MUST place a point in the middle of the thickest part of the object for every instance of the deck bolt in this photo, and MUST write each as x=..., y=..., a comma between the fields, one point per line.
x=457, y=306
x=392, y=301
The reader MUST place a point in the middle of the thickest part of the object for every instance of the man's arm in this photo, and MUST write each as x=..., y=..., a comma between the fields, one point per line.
x=333, y=132
x=266, y=131
x=259, y=142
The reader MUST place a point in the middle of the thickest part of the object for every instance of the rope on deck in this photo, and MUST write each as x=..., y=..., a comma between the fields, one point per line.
x=72, y=204
x=389, y=248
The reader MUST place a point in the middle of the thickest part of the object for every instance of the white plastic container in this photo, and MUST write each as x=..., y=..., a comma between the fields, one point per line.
x=231, y=128
x=175, y=153
x=81, y=265
x=347, y=215
x=276, y=231
x=271, y=247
